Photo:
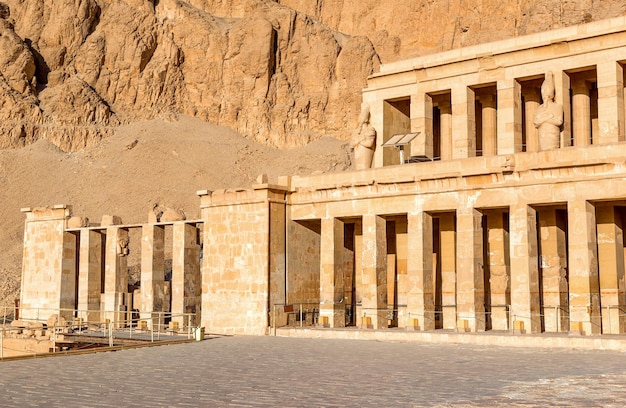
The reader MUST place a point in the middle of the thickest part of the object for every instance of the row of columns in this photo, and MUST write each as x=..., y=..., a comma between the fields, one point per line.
x=564, y=264
x=501, y=114
x=103, y=273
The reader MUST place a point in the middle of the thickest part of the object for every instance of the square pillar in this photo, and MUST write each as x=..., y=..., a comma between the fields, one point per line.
x=470, y=280
x=420, y=284
x=422, y=122
x=186, y=283
x=372, y=291
x=524, y=268
x=489, y=125
x=581, y=112
x=611, y=268
x=332, y=308
x=447, y=249
x=584, y=296
x=152, y=270
x=610, y=77
x=445, y=129
x=463, y=122
x=499, y=282
x=562, y=87
x=532, y=100
x=509, y=116
x=553, y=263
x=90, y=275
x=115, y=274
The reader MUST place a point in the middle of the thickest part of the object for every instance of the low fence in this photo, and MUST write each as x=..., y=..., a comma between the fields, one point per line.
x=60, y=322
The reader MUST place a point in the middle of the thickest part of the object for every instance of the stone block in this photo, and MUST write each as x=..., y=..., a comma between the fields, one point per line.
x=109, y=220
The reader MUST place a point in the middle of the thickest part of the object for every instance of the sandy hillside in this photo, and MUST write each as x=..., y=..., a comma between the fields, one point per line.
x=168, y=164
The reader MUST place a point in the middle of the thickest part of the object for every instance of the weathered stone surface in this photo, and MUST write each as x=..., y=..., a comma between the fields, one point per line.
x=280, y=72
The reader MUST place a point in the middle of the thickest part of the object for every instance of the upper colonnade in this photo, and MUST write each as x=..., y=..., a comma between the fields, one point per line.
x=482, y=100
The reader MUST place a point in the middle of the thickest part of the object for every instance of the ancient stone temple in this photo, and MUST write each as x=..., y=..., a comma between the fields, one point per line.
x=496, y=200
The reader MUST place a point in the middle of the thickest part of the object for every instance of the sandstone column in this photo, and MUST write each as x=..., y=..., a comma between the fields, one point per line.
x=332, y=308
x=115, y=274
x=463, y=122
x=611, y=265
x=422, y=122
x=562, y=87
x=470, y=281
x=445, y=130
x=420, y=297
x=509, y=117
x=553, y=262
x=402, y=279
x=490, y=124
x=581, y=109
x=90, y=275
x=610, y=102
x=186, y=283
x=447, y=247
x=373, y=288
x=499, y=282
x=524, y=269
x=532, y=99
x=152, y=272
x=584, y=296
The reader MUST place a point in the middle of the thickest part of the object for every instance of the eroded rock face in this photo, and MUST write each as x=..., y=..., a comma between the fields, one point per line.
x=283, y=72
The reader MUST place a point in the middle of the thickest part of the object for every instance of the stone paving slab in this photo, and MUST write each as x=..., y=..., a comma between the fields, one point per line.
x=292, y=372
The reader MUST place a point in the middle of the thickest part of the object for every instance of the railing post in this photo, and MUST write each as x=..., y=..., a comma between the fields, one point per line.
x=2, y=344
x=300, y=315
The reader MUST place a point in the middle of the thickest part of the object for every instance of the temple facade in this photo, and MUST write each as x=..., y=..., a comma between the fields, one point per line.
x=503, y=209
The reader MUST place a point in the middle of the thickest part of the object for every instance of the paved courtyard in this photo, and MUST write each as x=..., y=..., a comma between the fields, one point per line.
x=289, y=372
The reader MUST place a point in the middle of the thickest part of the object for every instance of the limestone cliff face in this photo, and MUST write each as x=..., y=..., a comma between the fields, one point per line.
x=283, y=72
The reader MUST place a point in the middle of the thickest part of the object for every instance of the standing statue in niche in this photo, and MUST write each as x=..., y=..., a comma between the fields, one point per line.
x=549, y=116
x=364, y=140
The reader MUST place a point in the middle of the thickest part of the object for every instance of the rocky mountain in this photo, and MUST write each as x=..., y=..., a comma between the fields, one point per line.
x=280, y=72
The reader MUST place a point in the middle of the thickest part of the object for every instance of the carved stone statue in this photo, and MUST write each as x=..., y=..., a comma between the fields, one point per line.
x=549, y=116
x=364, y=140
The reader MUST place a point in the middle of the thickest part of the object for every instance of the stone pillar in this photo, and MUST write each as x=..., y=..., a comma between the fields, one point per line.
x=447, y=247
x=48, y=264
x=562, y=86
x=611, y=268
x=115, y=275
x=332, y=308
x=420, y=297
x=422, y=122
x=470, y=295
x=553, y=263
x=490, y=124
x=610, y=102
x=499, y=282
x=402, y=278
x=584, y=296
x=152, y=272
x=532, y=100
x=509, y=117
x=525, y=311
x=90, y=275
x=581, y=109
x=372, y=292
x=445, y=130
x=463, y=122
x=186, y=283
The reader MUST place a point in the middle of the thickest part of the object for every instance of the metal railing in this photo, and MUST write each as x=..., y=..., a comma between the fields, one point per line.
x=75, y=321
